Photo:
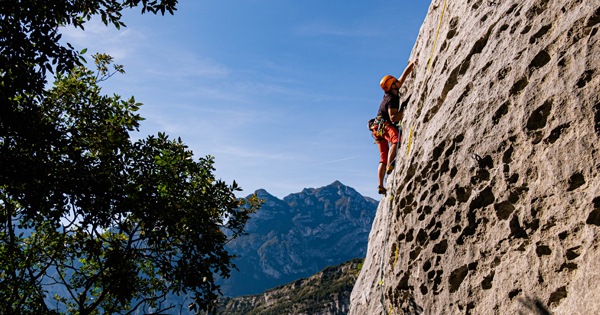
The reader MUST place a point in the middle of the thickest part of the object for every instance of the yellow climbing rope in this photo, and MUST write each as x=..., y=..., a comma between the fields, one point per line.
x=409, y=141
x=436, y=35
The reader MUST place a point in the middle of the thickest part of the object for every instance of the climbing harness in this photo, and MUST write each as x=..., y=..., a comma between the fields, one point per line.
x=380, y=125
x=436, y=35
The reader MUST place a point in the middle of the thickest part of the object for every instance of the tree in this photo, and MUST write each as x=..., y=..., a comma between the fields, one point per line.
x=118, y=224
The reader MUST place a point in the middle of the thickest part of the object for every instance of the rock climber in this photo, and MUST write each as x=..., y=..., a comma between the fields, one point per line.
x=384, y=127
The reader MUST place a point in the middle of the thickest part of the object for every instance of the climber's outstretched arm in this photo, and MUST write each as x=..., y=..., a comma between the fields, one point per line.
x=407, y=71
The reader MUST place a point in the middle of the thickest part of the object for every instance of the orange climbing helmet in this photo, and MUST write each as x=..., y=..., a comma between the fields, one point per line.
x=386, y=82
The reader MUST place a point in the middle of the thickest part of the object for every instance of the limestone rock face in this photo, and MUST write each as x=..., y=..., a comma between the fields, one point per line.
x=496, y=209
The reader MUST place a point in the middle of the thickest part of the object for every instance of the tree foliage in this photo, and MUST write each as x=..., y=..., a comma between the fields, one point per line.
x=116, y=224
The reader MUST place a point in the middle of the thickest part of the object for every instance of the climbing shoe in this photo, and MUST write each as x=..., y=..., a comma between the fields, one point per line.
x=390, y=168
x=381, y=190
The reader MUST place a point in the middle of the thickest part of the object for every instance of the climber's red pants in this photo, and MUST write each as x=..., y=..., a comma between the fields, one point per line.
x=390, y=135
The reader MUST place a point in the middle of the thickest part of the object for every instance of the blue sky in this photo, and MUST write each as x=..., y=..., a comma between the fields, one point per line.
x=278, y=91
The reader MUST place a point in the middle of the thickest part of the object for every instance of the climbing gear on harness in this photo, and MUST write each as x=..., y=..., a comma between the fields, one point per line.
x=386, y=82
x=381, y=190
x=371, y=123
x=379, y=126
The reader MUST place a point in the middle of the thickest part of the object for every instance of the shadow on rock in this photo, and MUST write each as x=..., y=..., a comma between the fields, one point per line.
x=410, y=307
x=533, y=307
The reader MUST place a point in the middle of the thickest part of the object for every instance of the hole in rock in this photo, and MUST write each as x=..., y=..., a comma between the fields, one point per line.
x=456, y=278
x=519, y=85
x=415, y=253
x=577, y=180
x=540, y=60
x=538, y=118
x=515, y=27
x=543, y=250
x=445, y=166
x=502, y=29
x=514, y=293
x=423, y=289
x=473, y=266
x=434, y=188
x=486, y=162
x=594, y=216
x=515, y=228
x=502, y=110
x=512, y=8
x=450, y=201
x=594, y=19
x=456, y=229
x=585, y=78
x=462, y=194
x=504, y=210
x=422, y=237
x=513, y=179
x=485, y=198
x=556, y=132
x=431, y=275
x=486, y=284
x=569, y=266
x=441, y=247
x=540, y=33
x=563, y=235
x=557, y=295
x=427, y=266
x=453, y=172
x=507, y=157
x=573, y=253
x=409, y=236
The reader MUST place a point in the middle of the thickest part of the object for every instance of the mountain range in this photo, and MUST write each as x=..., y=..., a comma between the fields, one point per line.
x=326, y=293
x=298, y=236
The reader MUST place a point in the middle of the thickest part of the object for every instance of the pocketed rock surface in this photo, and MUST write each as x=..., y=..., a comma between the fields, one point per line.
x=496, y=209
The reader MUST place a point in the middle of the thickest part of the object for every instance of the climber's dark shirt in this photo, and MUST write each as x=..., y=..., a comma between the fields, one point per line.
x=389, y=101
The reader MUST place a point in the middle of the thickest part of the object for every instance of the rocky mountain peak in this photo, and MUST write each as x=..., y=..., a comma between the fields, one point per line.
x=299, y=235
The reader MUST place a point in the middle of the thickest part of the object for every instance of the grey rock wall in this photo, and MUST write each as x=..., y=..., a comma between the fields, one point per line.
x=496, y=210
